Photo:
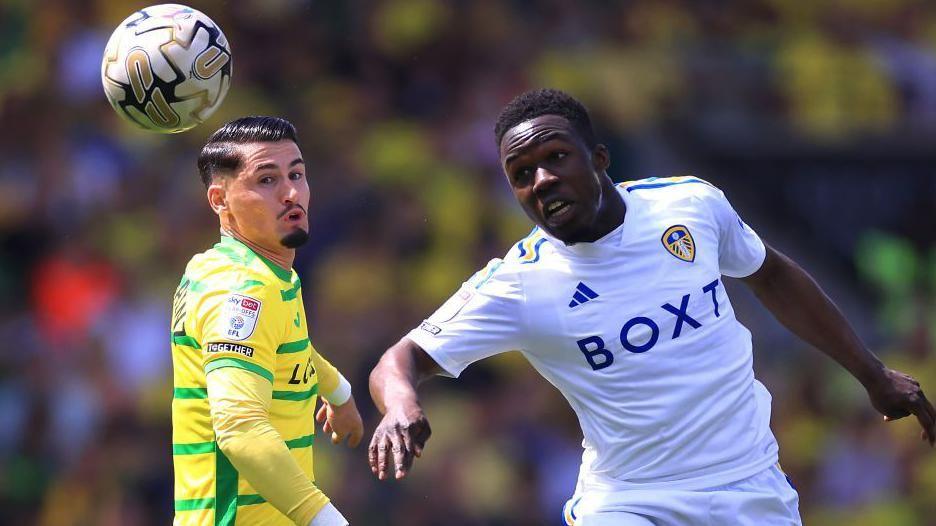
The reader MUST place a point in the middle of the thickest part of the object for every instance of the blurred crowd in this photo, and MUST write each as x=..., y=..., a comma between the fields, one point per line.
x=817, y=118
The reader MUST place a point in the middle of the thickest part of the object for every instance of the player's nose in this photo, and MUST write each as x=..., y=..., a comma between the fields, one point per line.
x=543, y=180
x=290, y=193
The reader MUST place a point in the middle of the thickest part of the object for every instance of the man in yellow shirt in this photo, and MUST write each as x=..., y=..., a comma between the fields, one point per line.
x=246, y=377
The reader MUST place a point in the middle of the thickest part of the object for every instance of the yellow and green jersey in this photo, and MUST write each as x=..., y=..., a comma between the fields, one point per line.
x=235, y=308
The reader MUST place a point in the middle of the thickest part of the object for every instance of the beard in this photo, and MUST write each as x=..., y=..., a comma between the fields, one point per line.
x=295, y=239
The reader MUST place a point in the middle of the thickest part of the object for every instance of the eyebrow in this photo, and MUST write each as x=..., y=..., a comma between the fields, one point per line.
x=266, y=166
x=548, y=136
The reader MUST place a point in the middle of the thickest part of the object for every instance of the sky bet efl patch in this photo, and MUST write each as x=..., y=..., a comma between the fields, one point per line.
x=239, y=317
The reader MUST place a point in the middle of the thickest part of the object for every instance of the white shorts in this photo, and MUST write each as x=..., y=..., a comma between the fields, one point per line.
x=765, y=499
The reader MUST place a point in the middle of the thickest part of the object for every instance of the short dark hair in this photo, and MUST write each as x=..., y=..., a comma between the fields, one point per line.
x=220, y=154
x=540, y=102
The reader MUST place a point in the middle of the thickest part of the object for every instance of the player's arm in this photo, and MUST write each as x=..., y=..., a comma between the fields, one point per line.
x=240, y=403
x=404, y=429
x=238, y=360
x=798, y=302
x=483, y=318
x=338, y=413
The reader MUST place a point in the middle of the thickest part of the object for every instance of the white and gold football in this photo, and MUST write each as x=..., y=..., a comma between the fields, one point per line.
x=166, y=68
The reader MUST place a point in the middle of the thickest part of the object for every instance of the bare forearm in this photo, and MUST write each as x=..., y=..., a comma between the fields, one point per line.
x=404, y=429
x=394, y=380
x=798, y=302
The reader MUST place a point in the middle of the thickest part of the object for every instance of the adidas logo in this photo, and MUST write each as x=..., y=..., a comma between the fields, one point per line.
x=582, y=295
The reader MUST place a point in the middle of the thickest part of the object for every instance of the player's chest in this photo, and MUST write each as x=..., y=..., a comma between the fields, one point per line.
x=294, y=368
x=659, y=285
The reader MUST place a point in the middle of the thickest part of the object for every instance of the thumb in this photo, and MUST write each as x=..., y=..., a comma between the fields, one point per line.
x=322, y=413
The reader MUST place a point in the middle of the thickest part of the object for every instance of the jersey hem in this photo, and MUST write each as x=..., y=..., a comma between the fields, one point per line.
x=593, y=482
x=754, y=268
x=447, y=366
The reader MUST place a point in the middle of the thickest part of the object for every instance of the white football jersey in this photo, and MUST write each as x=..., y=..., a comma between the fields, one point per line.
x=636, y=331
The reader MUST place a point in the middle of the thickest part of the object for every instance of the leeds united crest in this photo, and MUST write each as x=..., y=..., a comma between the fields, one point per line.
x=678, y=241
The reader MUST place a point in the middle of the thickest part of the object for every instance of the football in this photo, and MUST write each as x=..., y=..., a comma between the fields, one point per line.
x=166, y=68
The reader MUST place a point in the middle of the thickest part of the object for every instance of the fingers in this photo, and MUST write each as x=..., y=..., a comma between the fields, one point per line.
x=337, y=431
x=399, y=454
x=408, y=444
x=386, y=447
x=383, y=447
x=411, y=452
x=422, y=435
x=322, y=413
x=926, y=422
x=356, y=435
x=395, y=441
x=926, y=415
x=372, y=452
x=351, y=429
x=915, y=403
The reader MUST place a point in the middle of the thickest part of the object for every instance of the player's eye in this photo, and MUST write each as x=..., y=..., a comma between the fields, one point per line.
x=266, y=179
x=558, y=156
x=523, y=173
x=295, y=176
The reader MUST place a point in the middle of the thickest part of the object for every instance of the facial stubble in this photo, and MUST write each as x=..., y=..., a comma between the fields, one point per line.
x=295, y=239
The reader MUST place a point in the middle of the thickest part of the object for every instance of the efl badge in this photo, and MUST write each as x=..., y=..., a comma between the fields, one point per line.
x=239, y=317
x=678, y=241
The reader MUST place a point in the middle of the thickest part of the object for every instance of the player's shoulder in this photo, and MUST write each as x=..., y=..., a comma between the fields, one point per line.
x=670, y=189
x=504, y=273
x=527, y=253
x=496, y=272
x=224, y=268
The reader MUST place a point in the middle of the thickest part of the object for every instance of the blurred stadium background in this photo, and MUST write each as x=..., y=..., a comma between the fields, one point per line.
x=817, y=118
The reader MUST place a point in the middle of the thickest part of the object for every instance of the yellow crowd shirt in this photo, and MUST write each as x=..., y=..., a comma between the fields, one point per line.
x=236, y=311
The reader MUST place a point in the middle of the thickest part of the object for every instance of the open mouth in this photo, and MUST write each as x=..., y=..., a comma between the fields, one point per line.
x=557, y=209
x=294, y=215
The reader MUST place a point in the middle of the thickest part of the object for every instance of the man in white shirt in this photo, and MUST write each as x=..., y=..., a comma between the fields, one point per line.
x=616, y=298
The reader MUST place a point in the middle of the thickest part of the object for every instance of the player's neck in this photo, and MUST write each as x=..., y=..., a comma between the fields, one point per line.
x=611, y=212
x=282, y=257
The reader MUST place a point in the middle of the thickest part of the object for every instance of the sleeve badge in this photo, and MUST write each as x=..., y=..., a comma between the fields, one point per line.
x=452, y=306
x=239, y=317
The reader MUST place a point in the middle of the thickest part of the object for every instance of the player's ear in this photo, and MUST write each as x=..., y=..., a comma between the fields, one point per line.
x=217, y=197
x=601, y=158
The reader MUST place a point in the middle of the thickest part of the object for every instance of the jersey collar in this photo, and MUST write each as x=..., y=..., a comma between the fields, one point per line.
x=612, y=239
x=281, y=273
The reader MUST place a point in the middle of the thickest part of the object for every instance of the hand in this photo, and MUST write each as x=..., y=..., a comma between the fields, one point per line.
x=342, y=421
x=405, y=434
x=896, y=395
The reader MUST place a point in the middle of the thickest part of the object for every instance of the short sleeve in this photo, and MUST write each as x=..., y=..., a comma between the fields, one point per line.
x=740, y=250
x=483, y=318
x=240, y=329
